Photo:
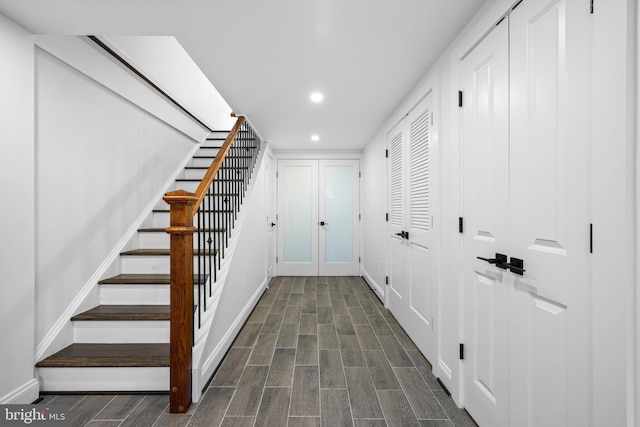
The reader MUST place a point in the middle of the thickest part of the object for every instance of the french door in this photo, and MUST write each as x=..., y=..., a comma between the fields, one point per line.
x=526, y=225
x=318, y=212
x=412, y=272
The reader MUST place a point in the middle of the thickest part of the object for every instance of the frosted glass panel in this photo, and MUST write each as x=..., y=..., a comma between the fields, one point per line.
x=297, y=213
x=339, y=213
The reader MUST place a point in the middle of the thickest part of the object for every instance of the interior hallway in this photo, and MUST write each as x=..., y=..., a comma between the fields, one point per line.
x=315, y=351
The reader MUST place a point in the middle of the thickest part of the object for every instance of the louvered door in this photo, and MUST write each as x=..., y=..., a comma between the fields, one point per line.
x=413, y=268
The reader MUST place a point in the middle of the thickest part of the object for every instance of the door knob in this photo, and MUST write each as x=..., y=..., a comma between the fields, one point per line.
x=322, y=223
x=499, y=260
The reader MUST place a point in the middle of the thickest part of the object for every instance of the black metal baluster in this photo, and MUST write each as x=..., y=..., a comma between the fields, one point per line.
x=199, y=268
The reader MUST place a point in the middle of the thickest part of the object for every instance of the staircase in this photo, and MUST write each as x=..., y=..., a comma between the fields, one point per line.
x=123, y=343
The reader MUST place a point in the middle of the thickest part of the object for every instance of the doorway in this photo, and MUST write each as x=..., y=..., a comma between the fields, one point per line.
x=318, y=216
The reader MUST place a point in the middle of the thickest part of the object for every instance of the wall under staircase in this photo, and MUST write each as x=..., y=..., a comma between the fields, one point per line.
x=122, y=343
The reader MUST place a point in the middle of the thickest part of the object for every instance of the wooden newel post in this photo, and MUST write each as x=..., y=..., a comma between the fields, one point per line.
x=181, y=323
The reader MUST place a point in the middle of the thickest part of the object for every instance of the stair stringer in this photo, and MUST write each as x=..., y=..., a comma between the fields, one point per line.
x=241, y=282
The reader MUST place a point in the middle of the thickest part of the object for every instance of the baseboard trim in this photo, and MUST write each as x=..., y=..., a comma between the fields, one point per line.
x=23, y=395
x=373, y=284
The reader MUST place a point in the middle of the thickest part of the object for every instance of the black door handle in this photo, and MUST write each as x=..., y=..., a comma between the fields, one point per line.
x=273, y=224
x=516, y=266
x=403, y=234
x=499, y=260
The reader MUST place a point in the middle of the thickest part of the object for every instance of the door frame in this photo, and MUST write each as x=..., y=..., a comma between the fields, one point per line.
x=319, y=155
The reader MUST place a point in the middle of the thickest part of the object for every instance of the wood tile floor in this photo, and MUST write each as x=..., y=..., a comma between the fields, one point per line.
x=316, y=351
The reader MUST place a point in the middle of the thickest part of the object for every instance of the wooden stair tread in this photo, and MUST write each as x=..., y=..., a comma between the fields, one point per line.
x=208, y=210
x=140, y=279
x=162, y=252
x=137, y=279
x=125, y=312
x=164, y=230
x=109, y=355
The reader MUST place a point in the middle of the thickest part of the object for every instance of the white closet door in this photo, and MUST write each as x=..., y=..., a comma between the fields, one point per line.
x=422, y=268
x=397, y=290
x=339, y=206
x=485, y=145
x=412, y=278
x=298, y=217
x=549, y=223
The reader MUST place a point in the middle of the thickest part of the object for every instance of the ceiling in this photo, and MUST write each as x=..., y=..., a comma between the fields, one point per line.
x=266, y=57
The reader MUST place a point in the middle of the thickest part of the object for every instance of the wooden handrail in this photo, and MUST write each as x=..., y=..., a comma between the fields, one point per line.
x=138, y=73
x=201, y=191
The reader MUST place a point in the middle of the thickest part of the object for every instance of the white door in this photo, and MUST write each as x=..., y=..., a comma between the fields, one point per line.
x=297, y=217
x=526, y=196
x=318, y=213
x=413, y=278
x=485, y=145
x=271, y=217
x=339, y=215
x=549, y=224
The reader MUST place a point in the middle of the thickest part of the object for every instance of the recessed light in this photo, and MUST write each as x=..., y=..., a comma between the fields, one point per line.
x=315, y=138
x=317, y=97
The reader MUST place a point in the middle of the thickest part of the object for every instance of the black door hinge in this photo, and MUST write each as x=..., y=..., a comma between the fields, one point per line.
x=460, y=225
x=459, y=98
x=591, y=6
x=359, y=174
x=461, y=351
x=276, y=259
x=386, y=280
x=276, y=174
x=590, y=238
x=386, y=153
x=386, y=217
x=359, y=217
x=359, y=260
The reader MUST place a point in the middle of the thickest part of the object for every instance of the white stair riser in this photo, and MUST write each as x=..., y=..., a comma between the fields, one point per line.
x=134, y=294
x=207, y=151
x=146, y=264
x=161, y=240
x=104, y=379
x=189, y=186
x=121, y=331
x=200, y=162
x=161, y=220
x=194, y=173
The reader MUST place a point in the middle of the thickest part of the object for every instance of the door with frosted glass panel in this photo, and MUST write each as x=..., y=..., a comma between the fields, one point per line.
x=297, y=218
x=318, y=212
x=339, y=209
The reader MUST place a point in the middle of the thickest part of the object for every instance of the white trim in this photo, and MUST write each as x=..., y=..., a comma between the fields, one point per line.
x=52, y=341
x=24, y=395
x=373, y=284
x=317, y=155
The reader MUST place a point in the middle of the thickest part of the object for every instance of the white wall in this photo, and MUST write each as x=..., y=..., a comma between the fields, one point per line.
x=179, y=77
x=374, y=208
x=17, y=224
x=246, y=279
